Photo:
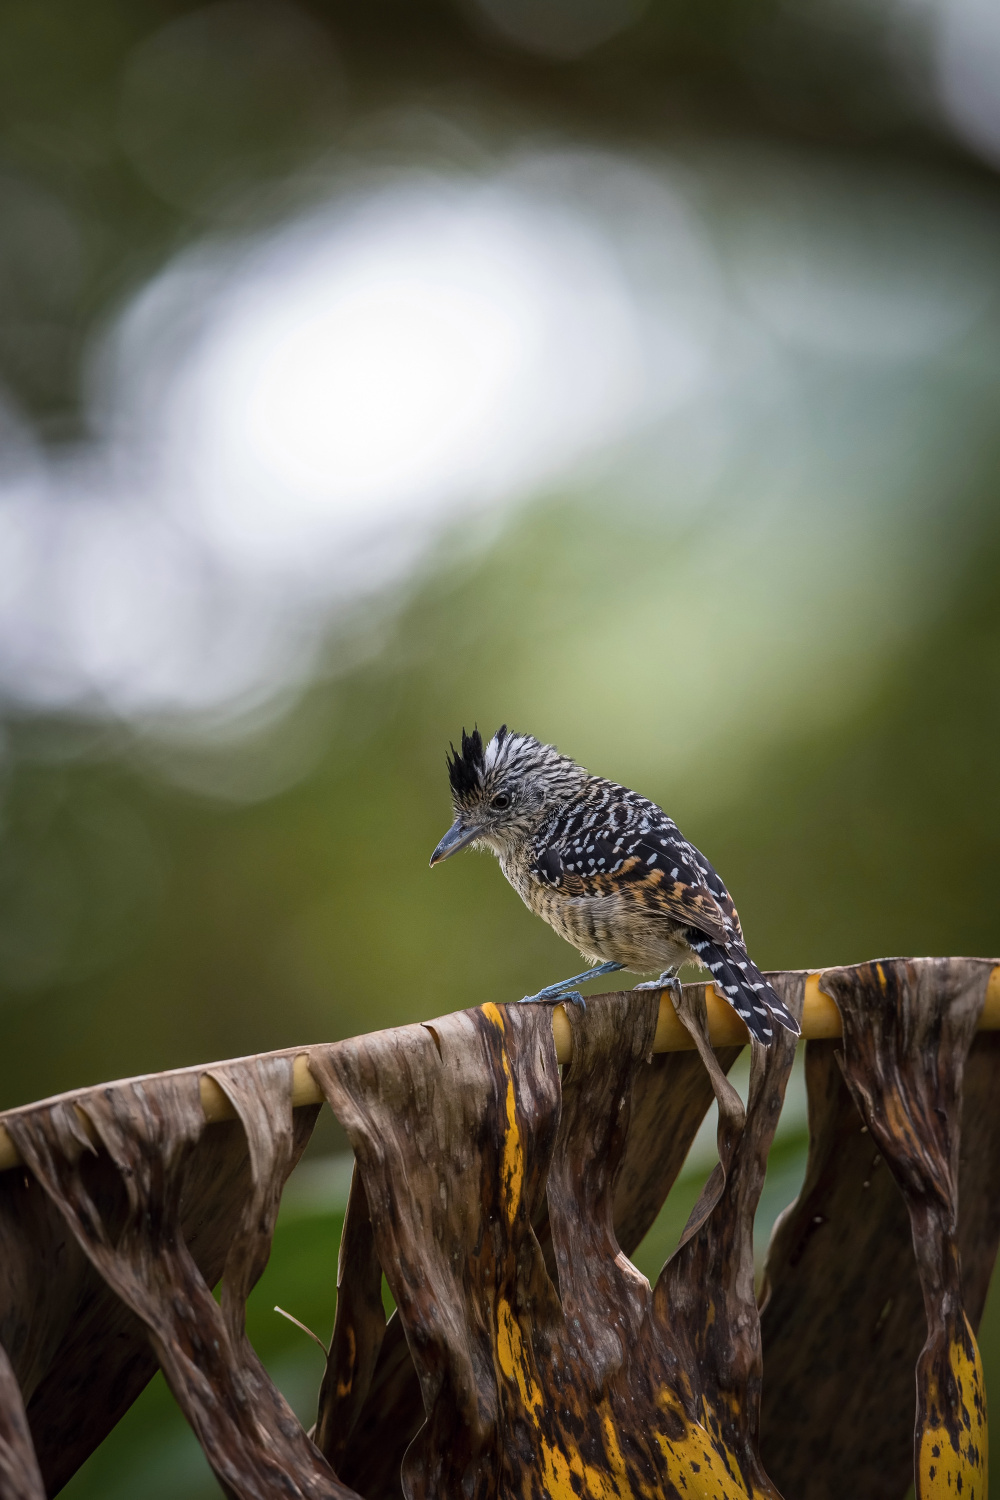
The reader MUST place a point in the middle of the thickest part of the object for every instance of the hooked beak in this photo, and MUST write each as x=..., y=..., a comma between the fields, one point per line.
x=458, y=837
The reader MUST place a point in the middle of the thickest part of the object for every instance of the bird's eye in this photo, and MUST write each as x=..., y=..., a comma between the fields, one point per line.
x=501, y=800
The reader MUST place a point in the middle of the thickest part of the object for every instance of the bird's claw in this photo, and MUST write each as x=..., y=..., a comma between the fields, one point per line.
x=570, y=997
x=668, y=982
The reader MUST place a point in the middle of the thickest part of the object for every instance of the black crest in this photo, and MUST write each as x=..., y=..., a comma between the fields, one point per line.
x=466, y=770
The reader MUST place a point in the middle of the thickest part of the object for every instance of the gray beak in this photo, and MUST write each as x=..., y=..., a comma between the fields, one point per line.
x=457, y=837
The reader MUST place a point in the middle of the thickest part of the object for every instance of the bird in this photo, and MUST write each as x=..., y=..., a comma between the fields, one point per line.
x=607, y=868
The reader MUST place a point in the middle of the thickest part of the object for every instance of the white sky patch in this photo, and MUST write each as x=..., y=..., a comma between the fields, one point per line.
x=381, y=366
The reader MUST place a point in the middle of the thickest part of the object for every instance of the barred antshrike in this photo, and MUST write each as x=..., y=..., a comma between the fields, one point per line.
x=606, y=868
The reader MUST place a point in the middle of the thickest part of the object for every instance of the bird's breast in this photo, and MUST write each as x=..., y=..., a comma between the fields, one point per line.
x=607, y=927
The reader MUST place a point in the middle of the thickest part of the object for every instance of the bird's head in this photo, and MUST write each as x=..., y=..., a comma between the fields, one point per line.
x=502, y=792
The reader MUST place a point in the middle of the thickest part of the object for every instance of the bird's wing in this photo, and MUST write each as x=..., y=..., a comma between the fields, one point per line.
x=715, y=884
x=647, y=861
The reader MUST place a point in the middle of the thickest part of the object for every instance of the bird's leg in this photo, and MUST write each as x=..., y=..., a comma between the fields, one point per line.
x=667, y=981
x=555, y=994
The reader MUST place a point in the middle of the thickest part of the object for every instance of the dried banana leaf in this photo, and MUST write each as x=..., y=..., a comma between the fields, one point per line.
x=501, y=1196
x=534, y=1385
x=850, y=1309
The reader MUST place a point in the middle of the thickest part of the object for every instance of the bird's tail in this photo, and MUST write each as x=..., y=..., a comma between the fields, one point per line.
x=739, y=981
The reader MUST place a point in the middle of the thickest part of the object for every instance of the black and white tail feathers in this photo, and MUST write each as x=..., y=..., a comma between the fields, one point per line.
x=739, y=981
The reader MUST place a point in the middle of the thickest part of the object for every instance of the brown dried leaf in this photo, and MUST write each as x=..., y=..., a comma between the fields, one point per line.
x=149, y=1129
x=531, y=1389
x=19, y=1475
x=845, y=1298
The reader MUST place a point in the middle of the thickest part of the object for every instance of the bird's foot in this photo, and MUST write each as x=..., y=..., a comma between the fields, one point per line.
x=667, y=981
x=568, y=997
x=556, y=994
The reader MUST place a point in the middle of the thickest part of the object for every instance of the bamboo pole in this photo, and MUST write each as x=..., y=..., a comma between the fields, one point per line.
x=820, y=1021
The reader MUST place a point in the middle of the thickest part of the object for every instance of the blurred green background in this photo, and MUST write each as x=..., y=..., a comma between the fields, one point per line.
x=626, y=371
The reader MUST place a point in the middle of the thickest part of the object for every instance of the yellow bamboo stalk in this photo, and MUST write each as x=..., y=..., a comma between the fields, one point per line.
x=820, y=1021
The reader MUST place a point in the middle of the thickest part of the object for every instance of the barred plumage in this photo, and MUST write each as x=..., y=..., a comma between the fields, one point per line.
x=605, y=867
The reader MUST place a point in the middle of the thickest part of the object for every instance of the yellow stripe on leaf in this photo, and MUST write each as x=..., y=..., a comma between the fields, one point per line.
x=953, y=1457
